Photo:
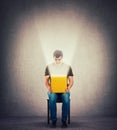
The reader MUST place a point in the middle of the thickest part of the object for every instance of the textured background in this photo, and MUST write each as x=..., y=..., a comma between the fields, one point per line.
x=84, y=30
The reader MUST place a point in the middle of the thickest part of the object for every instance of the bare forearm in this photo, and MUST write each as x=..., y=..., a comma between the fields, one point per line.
x=71, y=81
x=70, y=85
x=47, y=83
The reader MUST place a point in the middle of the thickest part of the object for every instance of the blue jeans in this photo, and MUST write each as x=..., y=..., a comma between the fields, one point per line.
x=53, y=107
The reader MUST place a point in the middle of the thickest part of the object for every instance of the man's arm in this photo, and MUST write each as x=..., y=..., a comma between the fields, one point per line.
x=70, y=83
x=47, y=83
x=47, y=79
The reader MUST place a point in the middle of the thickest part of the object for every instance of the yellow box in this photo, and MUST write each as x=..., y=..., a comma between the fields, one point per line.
x=58, y=84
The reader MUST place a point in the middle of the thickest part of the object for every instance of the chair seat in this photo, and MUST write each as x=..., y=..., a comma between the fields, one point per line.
x=59, y=100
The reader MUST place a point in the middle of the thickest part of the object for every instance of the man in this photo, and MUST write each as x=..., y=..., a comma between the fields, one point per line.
x=58, y=68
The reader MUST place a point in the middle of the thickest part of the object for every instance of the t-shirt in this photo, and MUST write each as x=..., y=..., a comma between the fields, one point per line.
x=58, y=69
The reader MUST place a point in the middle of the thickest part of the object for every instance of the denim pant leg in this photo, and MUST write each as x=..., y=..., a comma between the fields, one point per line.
x=52, y=105
x=65, y=105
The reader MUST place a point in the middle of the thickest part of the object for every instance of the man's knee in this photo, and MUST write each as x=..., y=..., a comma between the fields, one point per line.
x=66, y=97
x=53, y=97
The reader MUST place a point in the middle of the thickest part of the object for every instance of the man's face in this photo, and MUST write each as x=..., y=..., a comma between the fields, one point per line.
x=58, y=60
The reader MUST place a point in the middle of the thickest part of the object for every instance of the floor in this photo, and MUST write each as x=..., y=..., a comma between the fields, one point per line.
x=40, y=123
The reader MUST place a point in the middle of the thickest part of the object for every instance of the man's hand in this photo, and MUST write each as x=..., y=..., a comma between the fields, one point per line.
x=49, y=89
x=67, y=90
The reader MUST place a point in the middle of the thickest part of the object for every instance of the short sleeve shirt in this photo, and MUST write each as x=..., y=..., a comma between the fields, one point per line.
x=58, y=69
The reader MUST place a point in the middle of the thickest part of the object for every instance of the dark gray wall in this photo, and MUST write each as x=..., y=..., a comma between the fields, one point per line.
x=9, y=10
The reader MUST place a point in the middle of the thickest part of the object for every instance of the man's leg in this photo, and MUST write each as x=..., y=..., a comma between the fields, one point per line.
x=52, y=105
x=65, y=107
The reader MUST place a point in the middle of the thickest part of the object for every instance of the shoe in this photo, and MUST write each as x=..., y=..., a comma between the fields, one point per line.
x=64, y=124
x=53, y=125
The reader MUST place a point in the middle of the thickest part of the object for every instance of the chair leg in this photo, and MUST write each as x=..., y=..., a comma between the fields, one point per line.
x=48, y=116
x=69, y=116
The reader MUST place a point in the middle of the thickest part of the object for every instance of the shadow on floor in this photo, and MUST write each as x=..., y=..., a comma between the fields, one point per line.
x=41, y=124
